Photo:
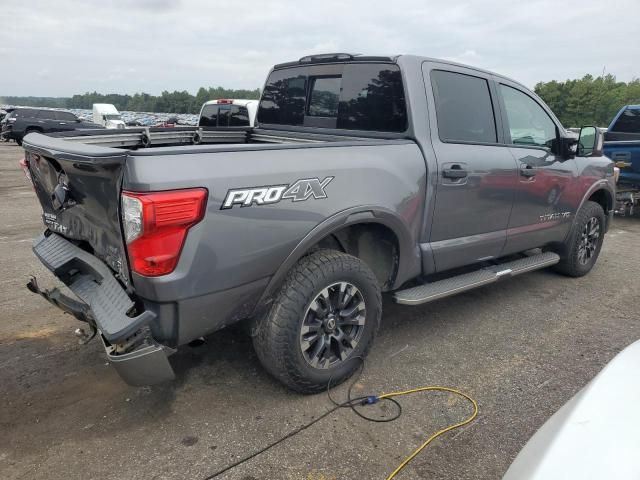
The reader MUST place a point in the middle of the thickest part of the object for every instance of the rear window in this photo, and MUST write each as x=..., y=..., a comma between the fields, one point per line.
x=354, y=96
x=628, y=121
x=222, y=115
x=463, y=108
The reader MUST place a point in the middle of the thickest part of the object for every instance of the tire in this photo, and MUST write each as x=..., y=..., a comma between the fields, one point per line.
x=585, y=242
x=322, y=286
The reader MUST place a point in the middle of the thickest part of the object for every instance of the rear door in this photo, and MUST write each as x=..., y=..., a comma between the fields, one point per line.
x=546, y=194
x=476, y=172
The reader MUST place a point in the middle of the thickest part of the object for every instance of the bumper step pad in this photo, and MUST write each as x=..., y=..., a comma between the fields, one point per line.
x=92, y=281
x=467, y=281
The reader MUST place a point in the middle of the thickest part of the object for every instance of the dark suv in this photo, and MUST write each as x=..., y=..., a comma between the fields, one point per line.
x=22, y=121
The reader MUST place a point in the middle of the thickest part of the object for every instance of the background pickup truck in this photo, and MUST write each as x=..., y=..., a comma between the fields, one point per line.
x=622, y=145
x=366, y=174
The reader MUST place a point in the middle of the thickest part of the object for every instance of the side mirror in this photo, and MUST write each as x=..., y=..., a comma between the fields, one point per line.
x=590, y=142
x=566, y=147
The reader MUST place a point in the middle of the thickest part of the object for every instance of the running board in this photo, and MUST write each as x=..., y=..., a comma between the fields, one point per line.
x=461, y=283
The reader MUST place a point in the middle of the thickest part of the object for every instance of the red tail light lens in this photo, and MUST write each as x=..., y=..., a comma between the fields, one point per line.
x=156, y=225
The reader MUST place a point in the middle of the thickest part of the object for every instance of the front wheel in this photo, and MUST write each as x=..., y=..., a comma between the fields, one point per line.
x=585, y=242
x=324, y=317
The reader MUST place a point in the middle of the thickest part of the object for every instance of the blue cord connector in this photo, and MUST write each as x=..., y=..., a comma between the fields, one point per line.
x=370, y=400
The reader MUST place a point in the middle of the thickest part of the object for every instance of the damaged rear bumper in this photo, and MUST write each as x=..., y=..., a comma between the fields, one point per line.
x=105, y=305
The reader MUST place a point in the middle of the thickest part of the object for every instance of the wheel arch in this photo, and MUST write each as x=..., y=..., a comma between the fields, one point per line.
x=328, y=231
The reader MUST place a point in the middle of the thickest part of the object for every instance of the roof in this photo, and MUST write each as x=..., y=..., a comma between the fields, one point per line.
x=235, y=101
x=357, y=57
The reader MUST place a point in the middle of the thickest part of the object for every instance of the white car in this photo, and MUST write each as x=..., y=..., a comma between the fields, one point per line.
x=228, y=113
x=595, y=434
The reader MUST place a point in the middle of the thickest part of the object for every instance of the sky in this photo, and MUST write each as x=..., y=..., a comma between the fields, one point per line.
x=64, y=47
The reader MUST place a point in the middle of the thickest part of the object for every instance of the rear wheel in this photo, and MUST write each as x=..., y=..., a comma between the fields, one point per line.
x=585, y=242
x=326, y=315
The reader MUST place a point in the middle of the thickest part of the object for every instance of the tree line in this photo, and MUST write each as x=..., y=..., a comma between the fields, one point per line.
x=589, y=100
x=586, y=101
x=167, y=102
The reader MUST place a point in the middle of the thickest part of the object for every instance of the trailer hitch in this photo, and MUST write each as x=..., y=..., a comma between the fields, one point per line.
x=79, y=310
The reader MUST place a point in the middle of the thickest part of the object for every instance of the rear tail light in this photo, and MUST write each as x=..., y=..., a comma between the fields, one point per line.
x=224, y=101
x=156, y=225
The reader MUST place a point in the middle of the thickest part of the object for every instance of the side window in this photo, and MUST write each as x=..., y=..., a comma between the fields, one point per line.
x=528, y=123
x=628, y=121
x=463, y=108
x=65, y=116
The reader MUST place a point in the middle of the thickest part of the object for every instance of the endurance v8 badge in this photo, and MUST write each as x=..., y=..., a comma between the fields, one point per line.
x=298, y=191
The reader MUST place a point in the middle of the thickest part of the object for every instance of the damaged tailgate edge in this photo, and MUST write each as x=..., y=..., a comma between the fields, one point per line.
x=105, y=303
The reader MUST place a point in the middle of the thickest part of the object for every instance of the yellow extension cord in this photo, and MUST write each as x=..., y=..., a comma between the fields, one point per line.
x=439, y=432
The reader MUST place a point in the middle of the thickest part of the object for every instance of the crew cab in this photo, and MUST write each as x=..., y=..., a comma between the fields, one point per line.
x=22, y=121
x=364, y=175
x=622, y=145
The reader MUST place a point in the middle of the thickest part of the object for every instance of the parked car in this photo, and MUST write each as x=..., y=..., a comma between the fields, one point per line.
x=107, y=116
x=356, y=181
x=228, y=113
x=594, y=435
x=22, y=121
x=622, y=145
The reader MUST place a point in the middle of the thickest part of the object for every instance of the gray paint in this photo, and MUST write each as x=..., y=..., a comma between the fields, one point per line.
x=235, y=260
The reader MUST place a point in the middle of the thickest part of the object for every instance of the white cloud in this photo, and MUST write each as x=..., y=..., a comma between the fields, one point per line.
x=154, y=45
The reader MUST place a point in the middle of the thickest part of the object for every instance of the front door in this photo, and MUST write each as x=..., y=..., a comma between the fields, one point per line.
x=476, y=173
x=544, y=202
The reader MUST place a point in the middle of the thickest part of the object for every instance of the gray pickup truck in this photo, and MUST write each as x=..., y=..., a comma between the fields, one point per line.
x=365, y=174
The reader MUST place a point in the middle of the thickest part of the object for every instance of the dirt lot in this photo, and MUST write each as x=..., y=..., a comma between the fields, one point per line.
x=521, y=348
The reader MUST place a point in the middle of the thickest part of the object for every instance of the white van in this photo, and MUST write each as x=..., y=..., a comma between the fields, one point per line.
x=228, y=113
x=107, y=115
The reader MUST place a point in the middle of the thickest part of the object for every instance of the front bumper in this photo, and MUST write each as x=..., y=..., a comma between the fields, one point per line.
x=104, y=304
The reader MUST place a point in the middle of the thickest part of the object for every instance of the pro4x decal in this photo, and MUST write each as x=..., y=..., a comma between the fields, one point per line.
x=298, y=191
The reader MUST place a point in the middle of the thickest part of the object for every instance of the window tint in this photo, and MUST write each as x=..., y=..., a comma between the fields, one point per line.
x=283, y=99
x=372, y=98
x=209, y=116
x=325, y=95
x=26, y=113
x=224, y=116
x=463, y=108
x=368, y=96
x=45, y=114
x=628, y=121
x=239, y=116
x=529, y=124
x=65, y=116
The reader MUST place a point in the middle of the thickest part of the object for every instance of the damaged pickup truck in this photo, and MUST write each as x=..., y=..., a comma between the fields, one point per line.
x=364, y=175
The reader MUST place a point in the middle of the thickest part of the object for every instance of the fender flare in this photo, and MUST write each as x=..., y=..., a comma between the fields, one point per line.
x=409, y=253
x=601, y=184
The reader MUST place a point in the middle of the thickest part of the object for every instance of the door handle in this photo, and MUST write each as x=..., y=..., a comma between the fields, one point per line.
x=454, y=172
x=528, y=171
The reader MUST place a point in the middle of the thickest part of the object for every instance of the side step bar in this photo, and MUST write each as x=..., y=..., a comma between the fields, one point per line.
x=467, y=281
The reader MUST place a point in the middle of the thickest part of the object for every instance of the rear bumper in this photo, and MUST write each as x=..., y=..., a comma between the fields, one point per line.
x=105, y=305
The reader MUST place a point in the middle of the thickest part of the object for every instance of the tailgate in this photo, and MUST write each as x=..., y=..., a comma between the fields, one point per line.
x=78, y=187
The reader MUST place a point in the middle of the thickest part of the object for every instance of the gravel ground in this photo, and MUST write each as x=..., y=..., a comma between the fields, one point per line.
x=521, y=348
